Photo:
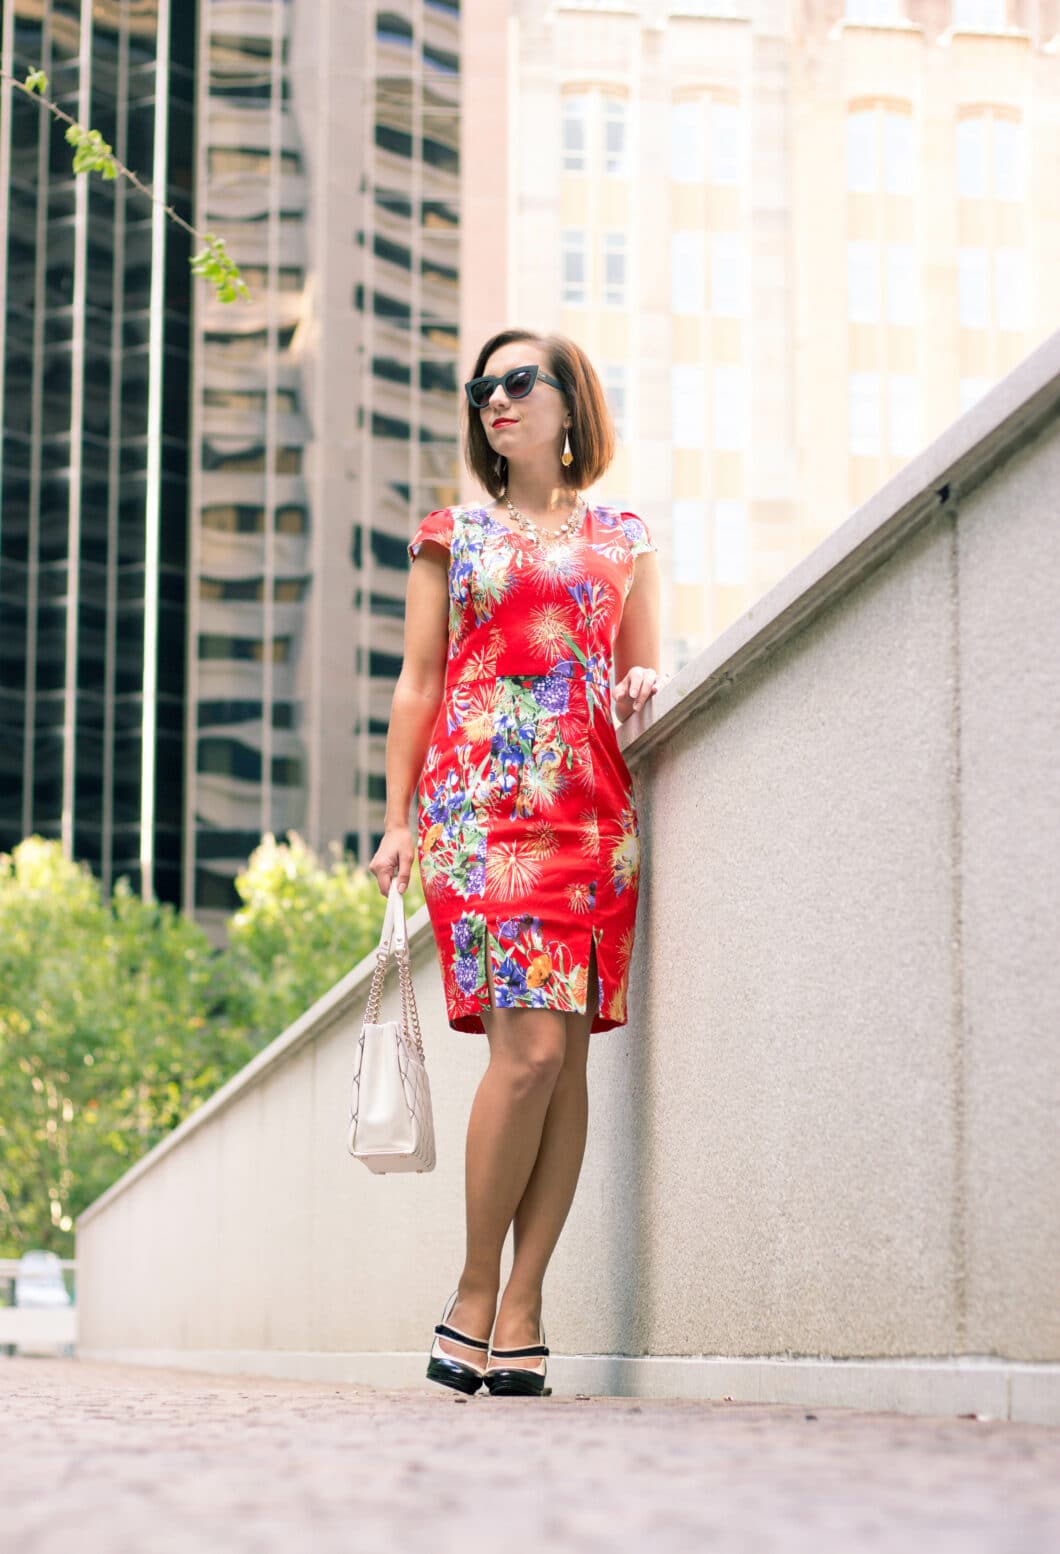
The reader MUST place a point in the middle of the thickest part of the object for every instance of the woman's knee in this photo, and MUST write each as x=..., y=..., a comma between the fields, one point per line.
x=534, y=1058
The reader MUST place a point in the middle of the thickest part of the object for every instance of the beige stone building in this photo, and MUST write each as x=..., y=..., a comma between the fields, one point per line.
x=797, y=242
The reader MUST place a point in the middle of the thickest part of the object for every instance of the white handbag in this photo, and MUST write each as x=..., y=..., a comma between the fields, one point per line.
x=391, y=1122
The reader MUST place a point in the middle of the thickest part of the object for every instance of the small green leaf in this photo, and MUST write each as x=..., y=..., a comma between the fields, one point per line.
x=214, y=264
x=36, y=81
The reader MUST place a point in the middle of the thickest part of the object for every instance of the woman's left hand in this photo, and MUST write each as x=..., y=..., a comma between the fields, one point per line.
x=634, y=689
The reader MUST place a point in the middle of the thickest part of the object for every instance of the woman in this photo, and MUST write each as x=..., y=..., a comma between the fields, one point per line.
x=518, y=614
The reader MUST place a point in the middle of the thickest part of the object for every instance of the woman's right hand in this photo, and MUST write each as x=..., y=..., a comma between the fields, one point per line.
x=394, y=855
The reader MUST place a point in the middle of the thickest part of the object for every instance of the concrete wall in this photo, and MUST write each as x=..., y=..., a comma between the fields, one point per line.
x=823, y=1160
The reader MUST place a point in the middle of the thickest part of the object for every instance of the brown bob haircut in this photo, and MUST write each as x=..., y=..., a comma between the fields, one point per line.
x=592, y=431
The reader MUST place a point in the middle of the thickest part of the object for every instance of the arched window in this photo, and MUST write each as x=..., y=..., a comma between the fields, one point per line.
x=708, y=139
x=594, y=131
x=990, y=152
x=881, y=147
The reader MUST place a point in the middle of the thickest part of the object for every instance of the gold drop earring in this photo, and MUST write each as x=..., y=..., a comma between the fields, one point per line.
x=566, y=457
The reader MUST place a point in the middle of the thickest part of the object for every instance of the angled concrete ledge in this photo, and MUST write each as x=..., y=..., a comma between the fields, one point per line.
x=991, y=432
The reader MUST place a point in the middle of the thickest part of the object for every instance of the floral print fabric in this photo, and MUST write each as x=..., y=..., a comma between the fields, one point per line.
x=527, y=834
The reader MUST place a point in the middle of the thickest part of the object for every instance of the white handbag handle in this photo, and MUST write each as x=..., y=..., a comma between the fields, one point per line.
x=394, y=930
x=393, y=921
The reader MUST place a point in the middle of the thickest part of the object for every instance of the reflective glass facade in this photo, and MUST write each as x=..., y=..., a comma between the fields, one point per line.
x=205, y=507
x=325, y=411
x=94, y=297
x=250, y=558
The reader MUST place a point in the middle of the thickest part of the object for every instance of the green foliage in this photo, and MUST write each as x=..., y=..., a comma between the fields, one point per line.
x=215, y=263
x=92, y=154
x=119, y=1018
x=301, y=927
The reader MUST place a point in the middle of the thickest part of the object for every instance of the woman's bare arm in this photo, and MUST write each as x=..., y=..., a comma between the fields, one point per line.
x=637, y=653
x=413, y=708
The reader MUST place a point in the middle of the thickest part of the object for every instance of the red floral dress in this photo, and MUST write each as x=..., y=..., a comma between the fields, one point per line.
x=527, y=834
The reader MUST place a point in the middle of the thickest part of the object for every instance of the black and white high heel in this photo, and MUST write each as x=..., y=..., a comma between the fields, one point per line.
x=518, y=1381
x=462, y=1375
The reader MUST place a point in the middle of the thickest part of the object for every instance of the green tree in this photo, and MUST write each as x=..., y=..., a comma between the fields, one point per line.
x=301, y=928
x=107, y=1037
x=118, y=1018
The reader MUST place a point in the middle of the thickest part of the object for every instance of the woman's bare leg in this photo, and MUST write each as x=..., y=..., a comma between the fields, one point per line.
x=527, y=1048
x=545, y=1204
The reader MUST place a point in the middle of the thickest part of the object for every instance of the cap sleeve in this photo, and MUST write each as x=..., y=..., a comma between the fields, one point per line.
x=636, y=532
x=437, y=526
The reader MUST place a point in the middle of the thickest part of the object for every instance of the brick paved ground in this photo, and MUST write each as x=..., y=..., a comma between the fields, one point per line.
x=109, y=1459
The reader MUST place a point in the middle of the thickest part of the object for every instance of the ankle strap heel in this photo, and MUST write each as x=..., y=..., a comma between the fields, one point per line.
x=518, y=1381
x=461, y=1375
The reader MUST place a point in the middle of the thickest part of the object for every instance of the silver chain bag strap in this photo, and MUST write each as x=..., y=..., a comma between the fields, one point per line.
x=391, y=1122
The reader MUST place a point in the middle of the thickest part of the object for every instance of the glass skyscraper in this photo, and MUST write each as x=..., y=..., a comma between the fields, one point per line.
x=94, y=297
x=205, y=506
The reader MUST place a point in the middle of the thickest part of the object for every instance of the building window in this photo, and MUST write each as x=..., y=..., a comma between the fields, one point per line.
x=979, y=15
x=902, y=289
x=616, y=391
x=730, y=409
x=292, y=519
x=574, y=267
x=1010, y=271
x=1008, y=307
x=973, y=288
x=863, y=282
x=616, y=137
x=594, y=126
x=575, y=133
x=392, y=28
x=686, y=142
x=615, y=269
x=1008, y=158
x=899, y=169
x=903, y=413
x=989, y=156
x=218, y=756
x=686, y=272
x=864, y=411
x=287, y=461
x=883, y=13
x=245, y=162
x=728, y=275
x=690, y=542
x=880, y=150
x=689, y=393
x=730, y=543
x=726, y=144
x=234, y=520
x=973, y=182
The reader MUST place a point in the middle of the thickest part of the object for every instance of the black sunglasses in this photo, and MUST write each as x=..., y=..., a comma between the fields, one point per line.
x=517, y=384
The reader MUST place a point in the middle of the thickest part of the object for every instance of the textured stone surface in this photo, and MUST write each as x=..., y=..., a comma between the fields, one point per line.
x=1010, y=905
x=115, y=1460
x=799, y=1015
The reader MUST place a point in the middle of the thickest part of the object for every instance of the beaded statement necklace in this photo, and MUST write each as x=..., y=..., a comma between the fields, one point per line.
x=567, y=528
